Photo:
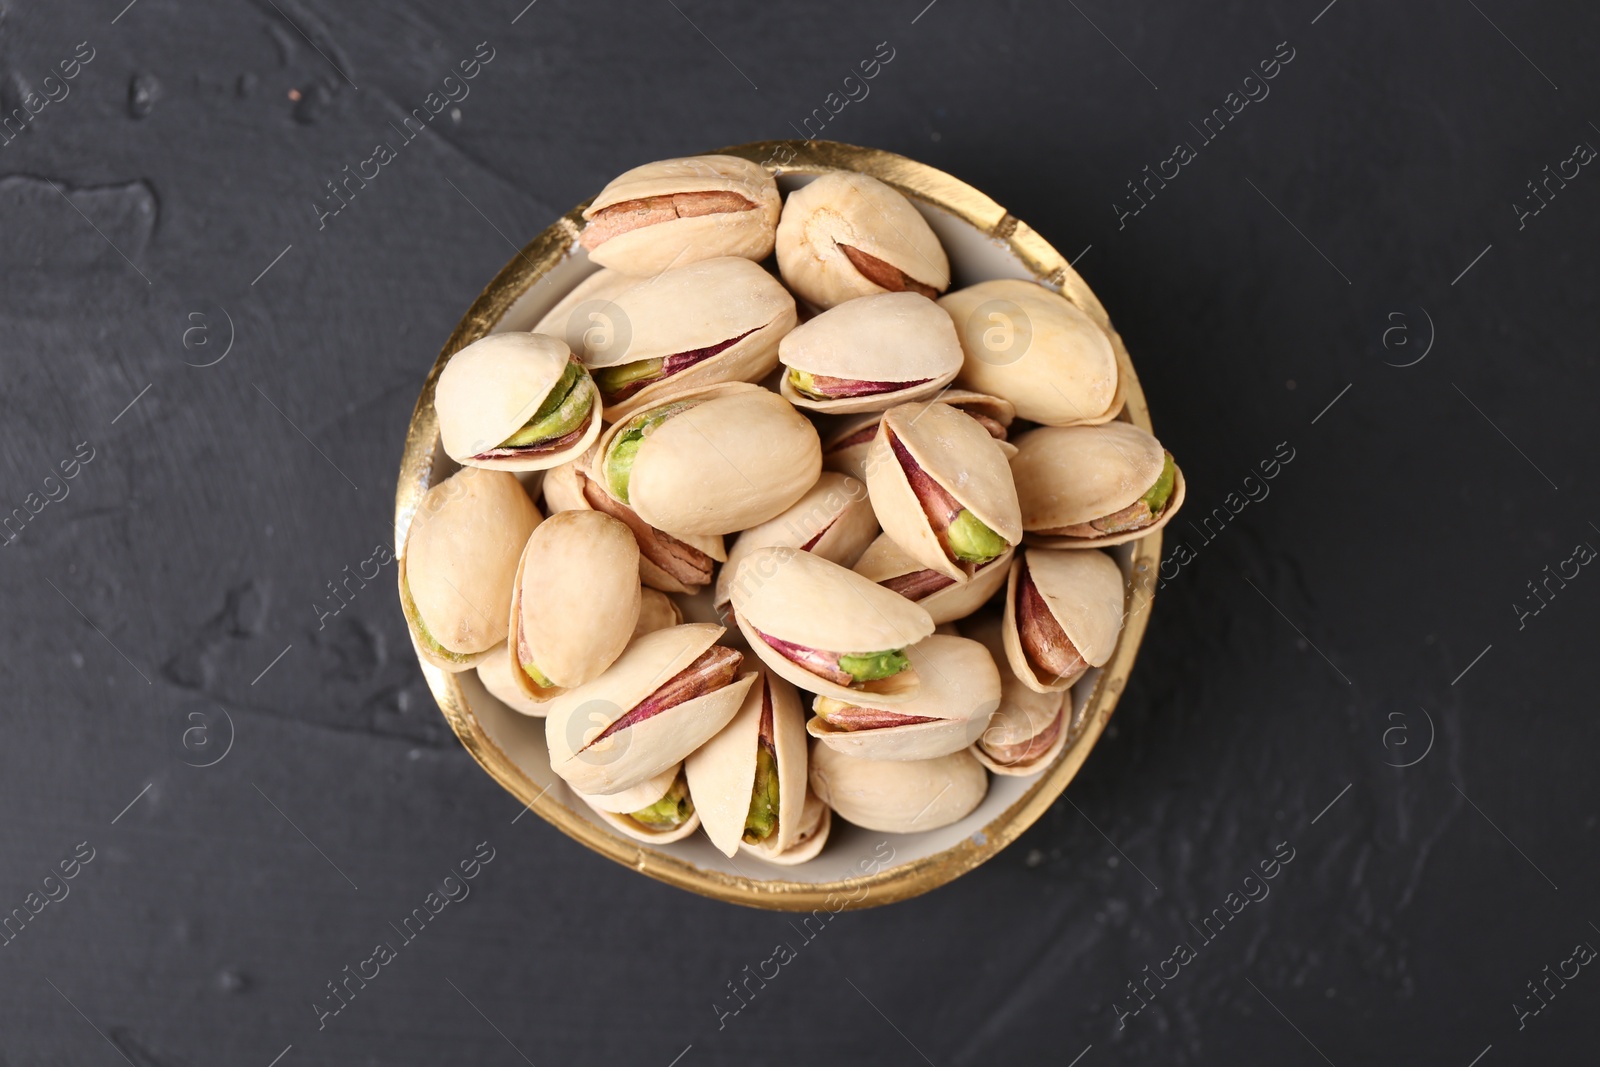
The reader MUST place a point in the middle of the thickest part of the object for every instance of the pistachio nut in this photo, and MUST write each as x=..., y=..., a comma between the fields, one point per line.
x=845, y=449
x=825, y=628
x=711, y=460
x=816, y=821
x=718, y=320
x=960, y=690
x=682, y=210
x=575, y=602
x=942, y=489
x=749, y=781
x=833, y=519
x=516, y=401
x=1035, y=348
x=667, y=563
x=459, y=563
x=667, y=694
x=658, y=811
x=497, y=671
x=899, y=796
x=845, y=235
x=657, y=611
x=1063, y=614
x=1087, y=486
x=1029, y=729
x=586, y=316
x=940, y=595
x=869, y=354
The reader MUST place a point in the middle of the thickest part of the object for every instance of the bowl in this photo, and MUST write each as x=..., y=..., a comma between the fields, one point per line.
x=858, y=868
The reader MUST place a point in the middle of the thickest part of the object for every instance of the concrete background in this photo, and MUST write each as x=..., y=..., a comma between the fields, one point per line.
x=1367, y=207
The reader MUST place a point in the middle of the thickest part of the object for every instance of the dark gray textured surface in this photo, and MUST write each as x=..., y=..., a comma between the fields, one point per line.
x=1308, y=645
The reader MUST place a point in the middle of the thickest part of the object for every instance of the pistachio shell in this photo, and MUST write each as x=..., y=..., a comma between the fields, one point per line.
x=801, y=598
x=884, y=559
x=689, y=308
x=960, y=689
x=564, y=491
x=852, y=209
x=1036, y=349
x=958, y=454
x=889, y=337
x=739, y=457
x=493, y=386
x=640, y=796
x=498, y=673
x=594, y=295
x=835, y=514
x=657, y=611
x=578, y=716
x=576, y=599
x=722, y=772
x=852, y=459
x=816, y=821
x=630, y=828
x=1084, y=592
x=1023, y=714
x=1076, y=474
x=651, y=248
x=460, y=561
x=899, y=796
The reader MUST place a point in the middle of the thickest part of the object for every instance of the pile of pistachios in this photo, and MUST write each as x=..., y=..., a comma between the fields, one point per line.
x=892, y=499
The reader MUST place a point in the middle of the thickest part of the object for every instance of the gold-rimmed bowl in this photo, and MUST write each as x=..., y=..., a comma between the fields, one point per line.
x=858, y=868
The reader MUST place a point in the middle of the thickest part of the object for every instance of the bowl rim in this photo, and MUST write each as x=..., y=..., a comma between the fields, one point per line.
x=938, y=189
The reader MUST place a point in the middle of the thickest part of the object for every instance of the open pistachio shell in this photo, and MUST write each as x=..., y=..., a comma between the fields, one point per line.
x=459, y=564
x=1032, y=346
x=845, y=449
x=722, y=772
x=884, y=561
x=630, y=827
x=1029, y=729
x=885, y=350
x=736, y=456
x=891, y=246
x=899, y=796
x=960, y=457
x=669, y=564
x=677, y=211
x=497, y=671
x=718, y=320
x=497, y=385
x=615, y=810
x=577, y=718
x=590, y=300
x=801, y=599
x=1083, y=592
x=960, y=690
x=816, y=821
x=575, y=602
x=1067, y=476
x=834, y=519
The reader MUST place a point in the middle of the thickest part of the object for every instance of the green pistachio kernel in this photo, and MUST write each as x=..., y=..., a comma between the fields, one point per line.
x=537, y=676
x=1161, y=492
x=973, y=542
x=613, y=380
x=870, y=666
x=625, y=446
x=563, y=410
x=805, y=384
x=670, y=811
x=763, y=816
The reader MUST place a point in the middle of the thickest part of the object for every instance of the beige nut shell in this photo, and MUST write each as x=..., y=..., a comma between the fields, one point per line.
x=801, y=598
x=1061, y=372
x=657, y=611
x=816, y=821
x=1084, y=592
x=497, y=671
x=739, y=457
x=615, y=809
x=576, y=600
x=493, y=386
x=594, y=296
x=578, y=716
x=653, y=248
x=1074, y=474
x=884, y=559
x=958, y=454
x=1023, y=713
x=960, y=688
x=688, y=308
x=836, y=508
x=864, y=213
x=852, y=459
x=888, y=337
x=722, y=772
x=460, y=561
x=899, y=796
